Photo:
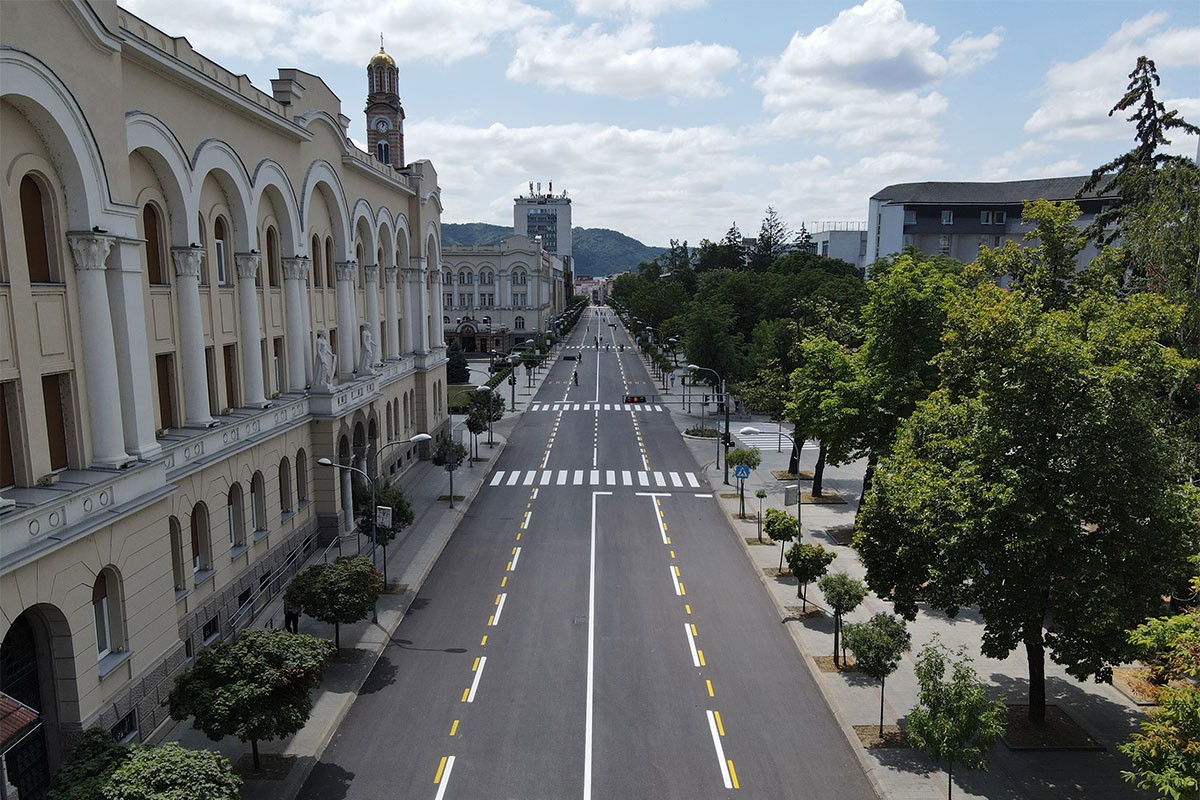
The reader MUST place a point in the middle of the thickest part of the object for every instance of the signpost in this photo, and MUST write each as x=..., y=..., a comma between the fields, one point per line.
x=741, y=472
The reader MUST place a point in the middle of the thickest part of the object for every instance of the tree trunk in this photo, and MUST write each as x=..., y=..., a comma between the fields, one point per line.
x=794, y=460
x=837, y=629
x=800, y=592
x=819, y=469
x=868, y=478
x=882, y=681
x=254, y=751
x=1035, y=652
x=337, y=635
x=950, y=781
x=781, y=546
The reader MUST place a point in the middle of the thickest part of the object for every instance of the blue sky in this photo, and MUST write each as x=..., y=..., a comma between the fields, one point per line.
x=677, y=118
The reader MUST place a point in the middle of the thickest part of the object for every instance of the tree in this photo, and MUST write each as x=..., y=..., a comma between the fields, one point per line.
x=807, y=563
x=1166, y=753
x=1040, y=483
x=774, y=239
x=843, y=594
x=171, y=772
x=1044, y=270
x=255, y=687
x=337, y=592
x=92, y=761
x=476, y=424
x=449, y=455
x=953, y=721
x=743, y=457
x=393, y=497
x=814, y=405
x=457, y=370
x=1130, y=177
x=877, y=645
x=780, y=527
x=804, y=240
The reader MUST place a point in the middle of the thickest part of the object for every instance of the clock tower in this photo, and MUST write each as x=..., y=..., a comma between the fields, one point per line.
x=385, y=115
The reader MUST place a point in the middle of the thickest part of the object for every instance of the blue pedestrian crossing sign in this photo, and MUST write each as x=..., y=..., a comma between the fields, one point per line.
x=741, y=471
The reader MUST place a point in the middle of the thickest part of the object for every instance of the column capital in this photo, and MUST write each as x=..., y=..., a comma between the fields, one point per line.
x=295, y=269
x=389, y=274
x=247, y=265
x=418, y=262
x=90, y=250
x=346, y=270
x=372, y=273
x=187, y=261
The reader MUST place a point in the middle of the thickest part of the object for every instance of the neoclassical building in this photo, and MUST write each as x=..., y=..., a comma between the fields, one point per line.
x=204, y=288
x=497, y=296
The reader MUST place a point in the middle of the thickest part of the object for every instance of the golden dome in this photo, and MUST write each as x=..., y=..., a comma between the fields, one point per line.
x=382, y=58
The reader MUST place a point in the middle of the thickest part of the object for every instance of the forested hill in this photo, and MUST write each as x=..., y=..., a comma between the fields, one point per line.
x=597, y=251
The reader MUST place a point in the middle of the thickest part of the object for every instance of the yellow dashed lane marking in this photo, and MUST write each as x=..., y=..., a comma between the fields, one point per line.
x=454, y=728
x=711, y=693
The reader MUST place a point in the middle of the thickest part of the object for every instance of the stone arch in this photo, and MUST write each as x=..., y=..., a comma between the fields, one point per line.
x=321, y=177
x=364, y=228
x=217, y=158
x=271, y=181
x=147, y=136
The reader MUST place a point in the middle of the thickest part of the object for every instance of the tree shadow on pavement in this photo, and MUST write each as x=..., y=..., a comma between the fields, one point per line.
x=328, y=782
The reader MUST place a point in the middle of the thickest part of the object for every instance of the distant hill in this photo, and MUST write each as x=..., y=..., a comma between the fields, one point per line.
x=597, y=251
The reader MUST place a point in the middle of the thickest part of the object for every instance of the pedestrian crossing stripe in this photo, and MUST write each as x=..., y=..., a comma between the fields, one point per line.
x=594, y=477
x=596, y=407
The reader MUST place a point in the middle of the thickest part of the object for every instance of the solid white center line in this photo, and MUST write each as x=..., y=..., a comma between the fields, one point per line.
x=692, y=645
x=516, y=556
x=445, y=778
x=591, y=656
x=499, y=608
x=716, y=737
x=475, y=683
x=675, y=580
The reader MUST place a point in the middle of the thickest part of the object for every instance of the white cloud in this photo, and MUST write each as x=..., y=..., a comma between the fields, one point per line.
x=968, y=52
x=636, y=8
x=339, y=30
x=1079, y=94
x=623, y=64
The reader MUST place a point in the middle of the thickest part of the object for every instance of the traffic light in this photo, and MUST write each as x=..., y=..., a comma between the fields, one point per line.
x=727, y=439
x=512, y=379
x=635, y=398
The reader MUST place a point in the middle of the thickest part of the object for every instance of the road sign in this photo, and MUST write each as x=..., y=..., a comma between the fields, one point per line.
x=741, y=471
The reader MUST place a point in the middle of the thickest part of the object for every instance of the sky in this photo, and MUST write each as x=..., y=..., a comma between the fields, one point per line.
x=675, y=119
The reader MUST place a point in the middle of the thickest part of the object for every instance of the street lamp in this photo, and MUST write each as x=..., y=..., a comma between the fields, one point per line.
x=725, y=400
x=485, y=389
x=750, y=431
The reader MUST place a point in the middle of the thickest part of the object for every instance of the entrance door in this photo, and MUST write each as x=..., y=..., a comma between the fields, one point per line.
x=27, y=763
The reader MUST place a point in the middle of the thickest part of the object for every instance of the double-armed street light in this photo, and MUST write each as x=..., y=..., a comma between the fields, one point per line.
x=725, y=400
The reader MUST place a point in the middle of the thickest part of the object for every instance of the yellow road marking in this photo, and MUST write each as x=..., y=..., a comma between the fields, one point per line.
x=466, y=692
x=508, y=568
x=442, y=766
x=700, y=655
x=518, y=537
x=672, y=554
x=676, y=571
x=711, y=693
x=687, y=607
x=732, y=773
x=681, y=589
x=693, y=629
x=475, y=666
x=504, y=580
x=491, y=620
x=668, y=538
x=484, y=642
x=720, y=727
x=498, y=599
x=514, y=551
x=454, y=728
x=665, y=526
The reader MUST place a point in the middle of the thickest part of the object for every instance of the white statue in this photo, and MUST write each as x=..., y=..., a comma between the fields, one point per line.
x=325, y=363
x=367, y=360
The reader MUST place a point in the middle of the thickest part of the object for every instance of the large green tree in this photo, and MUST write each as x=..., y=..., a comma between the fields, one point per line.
x=172, y=772
x=808, y=562
x=337, y=592
x=256, y=687
x=1039, y=483
x=815, y=405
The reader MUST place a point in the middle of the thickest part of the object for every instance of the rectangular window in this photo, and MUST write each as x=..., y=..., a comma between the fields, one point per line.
x=985, y=218
x=1000, y=217
x=126, y=729
x=56, y=424
x=100, y=610
x=947, y=217
x=464, y=299
x=997, y=241
x=166, y=390
x=210, y=369
x=448, y=300
x=231, y=375
x=222, y=263
x=487, y=299
x=944, y=244
x=519, y=299
x=280, y=362
x=210, y=630
x=7, y=470
x=910, y=216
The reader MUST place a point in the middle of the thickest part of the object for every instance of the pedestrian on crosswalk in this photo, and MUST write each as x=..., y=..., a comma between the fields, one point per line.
x=575, y=375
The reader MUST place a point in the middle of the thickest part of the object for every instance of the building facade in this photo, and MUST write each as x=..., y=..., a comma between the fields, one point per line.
x=958, y=218
x=498, y=296
x=546, y=216
x=204, y=288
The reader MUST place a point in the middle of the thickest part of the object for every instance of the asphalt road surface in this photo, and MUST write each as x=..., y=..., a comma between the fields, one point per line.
x=592, y=630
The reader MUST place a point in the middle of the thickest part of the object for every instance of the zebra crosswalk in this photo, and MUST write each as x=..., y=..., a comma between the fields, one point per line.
x=644, y=479
x=770, y=440
x=596, y=407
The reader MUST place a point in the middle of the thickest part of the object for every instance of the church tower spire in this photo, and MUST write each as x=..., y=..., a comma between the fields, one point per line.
x=385, y=115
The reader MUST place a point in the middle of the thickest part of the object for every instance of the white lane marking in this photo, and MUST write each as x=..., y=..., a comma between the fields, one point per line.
x=546, y=474
x=562, y=478
x=643, y=479
x=594, y=477
x=662, y=530
x=645, y=463
x=675, y=580
x=535, y=494
x=516, y=558
x=577, y=478
x=610, y=477
x=529, y=476
x=499, y=608
x=716, y=736
x=692, y=645
x=576, y=407
x=591, y=657
x=659, y=480
x=692, y=480
x=499, y=476
x=475, y=683
x=513, y=478
x=626, y=478
x=441, y=792
x=675, y=481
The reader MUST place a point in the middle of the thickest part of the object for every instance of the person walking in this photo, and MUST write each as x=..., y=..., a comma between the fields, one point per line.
x=575, y=375
x=291, y=615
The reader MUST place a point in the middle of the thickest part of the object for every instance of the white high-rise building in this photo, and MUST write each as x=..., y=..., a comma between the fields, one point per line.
x=546, y=215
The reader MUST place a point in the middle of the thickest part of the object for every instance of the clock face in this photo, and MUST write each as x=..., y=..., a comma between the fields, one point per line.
x=381, y=126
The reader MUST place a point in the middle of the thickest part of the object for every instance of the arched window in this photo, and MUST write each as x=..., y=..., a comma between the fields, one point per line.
x=258, y=502
x=330, y=277
x=204, y=245
x=388, y=421
x=34, y=218
x=221, y=253
x=447, y=278
x=106, y=613
x=274, y=265
x=446, y=320
x=301, y=477
x=518, y=277
x=152, y=232
x=487, y=278
x=285, y=486
x=382, y=152
x=519, y=323
x=201, y=541
x=465, y=277
x=318, y=272
x=362, y=267
x=177, y=569
x=406, y=413
x=237, y=520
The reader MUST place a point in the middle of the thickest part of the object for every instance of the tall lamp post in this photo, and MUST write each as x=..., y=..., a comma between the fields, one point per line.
x=485, y=388
x=750, y=431
x=725, y=400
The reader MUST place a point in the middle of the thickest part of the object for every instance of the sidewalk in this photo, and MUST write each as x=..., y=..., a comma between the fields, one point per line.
x=900, y=773
x=410, y=559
